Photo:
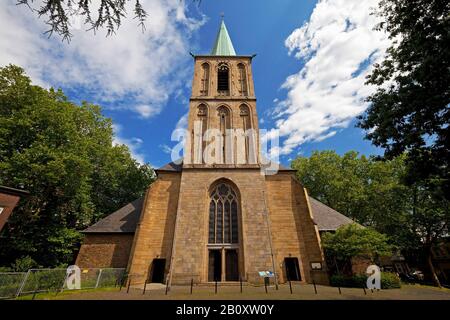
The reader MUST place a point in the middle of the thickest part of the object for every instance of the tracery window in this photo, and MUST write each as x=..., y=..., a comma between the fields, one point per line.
x=223, y=215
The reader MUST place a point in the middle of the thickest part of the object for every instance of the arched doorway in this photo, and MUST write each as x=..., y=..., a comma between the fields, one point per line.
x=223, y=233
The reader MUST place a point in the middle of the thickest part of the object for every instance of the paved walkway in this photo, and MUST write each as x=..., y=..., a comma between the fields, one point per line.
x=300, y=292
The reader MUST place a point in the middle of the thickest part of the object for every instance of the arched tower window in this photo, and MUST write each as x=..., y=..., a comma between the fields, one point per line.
x=242, y=80
x=224, y=125
x=223, y=215
x=204, y=89
x=223, y=79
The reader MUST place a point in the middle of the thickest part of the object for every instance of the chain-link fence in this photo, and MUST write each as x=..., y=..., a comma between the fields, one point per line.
x=14, y=284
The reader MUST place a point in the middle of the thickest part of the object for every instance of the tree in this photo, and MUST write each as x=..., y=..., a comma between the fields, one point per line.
x=373, y=192
x=362, y=188
x=409, y=110
x=63, y=154
x=353, y=240
x=110, y=14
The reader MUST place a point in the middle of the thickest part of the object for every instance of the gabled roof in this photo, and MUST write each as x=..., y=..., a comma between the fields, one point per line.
x=123, y=220
x=326, y=218
x=172, y=167
x=223, y=45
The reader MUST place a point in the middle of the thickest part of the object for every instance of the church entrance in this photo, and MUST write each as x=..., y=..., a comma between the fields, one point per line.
x=215, y=265
x=223, y=265
x=292, y=269
x=232, y=267
x=157, y=270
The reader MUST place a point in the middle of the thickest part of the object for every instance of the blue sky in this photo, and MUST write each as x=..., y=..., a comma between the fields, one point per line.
x=309, y=70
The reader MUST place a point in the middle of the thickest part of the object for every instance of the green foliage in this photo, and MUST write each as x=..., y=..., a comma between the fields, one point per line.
x=362, y=188
x=388, y=281
x=356, y=241
x=409, y=110
x=64, y=155
x=24, y=264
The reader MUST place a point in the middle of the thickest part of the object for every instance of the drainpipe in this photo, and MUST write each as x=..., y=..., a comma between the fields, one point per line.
x=270, y=241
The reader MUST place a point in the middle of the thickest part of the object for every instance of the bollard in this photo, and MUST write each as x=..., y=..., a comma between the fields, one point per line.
x=240, y=282
x=290, y=285
x=265, y=283
x=314, y=284
x=192, y=284
x=145, y=287
x=129, y=284
x=339, y=288
x=167, y=286
x=365, y=293
x=215, y=288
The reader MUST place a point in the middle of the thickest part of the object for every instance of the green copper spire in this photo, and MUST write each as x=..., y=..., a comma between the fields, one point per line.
x=223, y=45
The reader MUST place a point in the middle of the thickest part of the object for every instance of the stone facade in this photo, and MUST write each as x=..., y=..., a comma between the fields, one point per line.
x=270, y=213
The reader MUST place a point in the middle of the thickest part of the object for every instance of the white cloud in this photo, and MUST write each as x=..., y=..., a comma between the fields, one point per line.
x=133, y=144
x=338, y=46
x=143, y=69
x=165, y=148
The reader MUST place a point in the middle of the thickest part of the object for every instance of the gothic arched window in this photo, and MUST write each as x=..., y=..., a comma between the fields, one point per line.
x=242, y=80
x=223, y=79
x=223, y=215
x=204, y=90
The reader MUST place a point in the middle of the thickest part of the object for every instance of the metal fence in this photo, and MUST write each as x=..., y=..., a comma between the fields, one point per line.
x=14, y=284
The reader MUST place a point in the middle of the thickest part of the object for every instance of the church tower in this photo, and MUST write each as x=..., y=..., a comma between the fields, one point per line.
x=217, y=216
x=223, y=123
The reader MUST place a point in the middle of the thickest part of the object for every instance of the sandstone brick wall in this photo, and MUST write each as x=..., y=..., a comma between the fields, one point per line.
x=293, y=231
x=105, y=250
x=190, y=256
x=154, y=233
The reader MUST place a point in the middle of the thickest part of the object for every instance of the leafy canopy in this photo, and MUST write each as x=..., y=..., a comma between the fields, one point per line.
x=353, y=240
x=64, y=155
x=409, y=111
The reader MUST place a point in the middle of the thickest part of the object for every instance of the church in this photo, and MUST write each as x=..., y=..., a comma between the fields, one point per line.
x=217, y=215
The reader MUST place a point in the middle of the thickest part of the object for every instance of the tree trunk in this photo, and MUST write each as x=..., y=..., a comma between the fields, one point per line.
x=431, y=267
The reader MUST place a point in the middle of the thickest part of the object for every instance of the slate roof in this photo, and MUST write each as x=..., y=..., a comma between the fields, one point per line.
x=326, y=218
x=126, y=218
x=123, y=220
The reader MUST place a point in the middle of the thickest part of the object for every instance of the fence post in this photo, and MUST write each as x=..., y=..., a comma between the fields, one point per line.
x=98, y=278
x=314, y=284
x=339, y=288
x=290, y=285
x=22, y=285
x=192, y=284
x=36, y=288
x=365, y=293
x=215, y=288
